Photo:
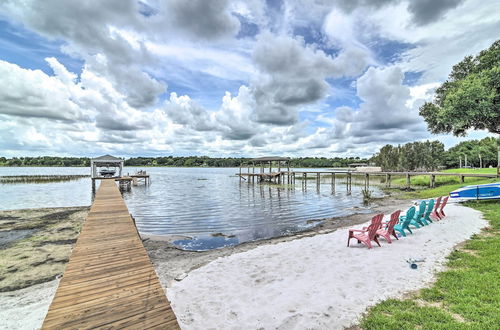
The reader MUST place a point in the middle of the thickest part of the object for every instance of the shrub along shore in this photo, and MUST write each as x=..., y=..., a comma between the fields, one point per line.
x=466, y=295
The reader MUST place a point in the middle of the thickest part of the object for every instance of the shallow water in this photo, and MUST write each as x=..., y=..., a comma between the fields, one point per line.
x=209, y=206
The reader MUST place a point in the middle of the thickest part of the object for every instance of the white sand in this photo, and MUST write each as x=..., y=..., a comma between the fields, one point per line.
x=315, y=282
x=26, y=308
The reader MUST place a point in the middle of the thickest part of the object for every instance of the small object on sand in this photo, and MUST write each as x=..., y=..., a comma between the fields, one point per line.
x=181, y=277
x=413, y=262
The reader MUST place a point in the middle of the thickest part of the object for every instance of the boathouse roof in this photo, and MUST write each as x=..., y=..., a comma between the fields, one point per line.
x=269, y=159
x=107, y=158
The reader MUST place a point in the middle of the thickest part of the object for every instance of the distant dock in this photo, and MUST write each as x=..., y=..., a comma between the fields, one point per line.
x=291, y=175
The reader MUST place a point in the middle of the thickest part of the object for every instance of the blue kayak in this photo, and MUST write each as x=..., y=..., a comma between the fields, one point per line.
x=483, y=191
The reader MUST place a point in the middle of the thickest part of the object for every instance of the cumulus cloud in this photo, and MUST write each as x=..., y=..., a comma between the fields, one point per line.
x=32, y=93
x=97, y=33
x=422, y=11
x=292, y=74
x=384, y=97
x=388, y=111
x=184, y=111
x=427, y=11
x=202, y=19
x=90, y=99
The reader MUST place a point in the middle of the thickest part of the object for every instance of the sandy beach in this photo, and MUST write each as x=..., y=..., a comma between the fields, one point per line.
x=315, y=282
x=308, y=279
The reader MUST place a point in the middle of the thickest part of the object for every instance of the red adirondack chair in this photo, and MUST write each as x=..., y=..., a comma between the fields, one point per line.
x=388, y=227
x=443, y=204
x=435, y=213
x=368, y=234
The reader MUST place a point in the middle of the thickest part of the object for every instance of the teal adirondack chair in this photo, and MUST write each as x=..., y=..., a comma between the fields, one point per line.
x=427, y=215
x=405, y=224
x=417, y=217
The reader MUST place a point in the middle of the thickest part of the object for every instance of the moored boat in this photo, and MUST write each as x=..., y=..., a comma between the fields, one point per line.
x=477, y=192
x=107, y=172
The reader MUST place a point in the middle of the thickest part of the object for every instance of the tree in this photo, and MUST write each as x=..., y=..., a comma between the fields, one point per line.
x=470, y=98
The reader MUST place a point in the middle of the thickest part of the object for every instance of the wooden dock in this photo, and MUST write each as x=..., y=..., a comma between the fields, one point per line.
x=304, y=175
x=109, y=281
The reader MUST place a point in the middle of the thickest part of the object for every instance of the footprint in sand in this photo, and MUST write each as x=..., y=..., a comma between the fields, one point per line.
x=290, y=322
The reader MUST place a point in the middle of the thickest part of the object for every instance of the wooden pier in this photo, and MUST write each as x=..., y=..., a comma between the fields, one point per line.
x=109, y=281
x=278, y=177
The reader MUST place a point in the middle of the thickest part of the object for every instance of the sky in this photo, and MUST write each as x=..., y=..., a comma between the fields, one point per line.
x=220, y=78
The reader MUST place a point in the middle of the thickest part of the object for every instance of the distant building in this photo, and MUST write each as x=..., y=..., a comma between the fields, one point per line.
x=357, y=164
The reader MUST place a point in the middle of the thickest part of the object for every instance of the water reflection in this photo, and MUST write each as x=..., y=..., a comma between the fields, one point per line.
x=209, y=205
x=178, y=202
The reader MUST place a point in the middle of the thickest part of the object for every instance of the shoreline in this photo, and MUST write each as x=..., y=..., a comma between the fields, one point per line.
x=174, y=265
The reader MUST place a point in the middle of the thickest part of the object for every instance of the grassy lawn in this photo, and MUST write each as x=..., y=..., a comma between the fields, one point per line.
x=442, y=190
x=469, y=170
x=466, y=296
x=423, y=180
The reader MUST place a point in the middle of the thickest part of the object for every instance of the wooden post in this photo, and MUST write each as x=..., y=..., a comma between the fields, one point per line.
x=387, y=180
x=367, y=180
x=348, y=181
x=408, y=180
x=317, y=178
x=289, y=176
x=240, y=172
x=253, y=172
x=93, y=189
x=432, y=183
x=498, y=158
x=270, y=166
x=462, y=178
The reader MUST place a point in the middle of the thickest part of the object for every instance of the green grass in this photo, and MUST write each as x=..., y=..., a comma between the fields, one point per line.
x=424, y=180
x=438, y=190
x=470, y=170
x=465, y=296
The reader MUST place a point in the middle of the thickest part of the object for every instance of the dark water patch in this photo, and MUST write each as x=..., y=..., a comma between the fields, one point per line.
x=9, y=217
x=206, y=243
x=9, y=237
x=28, y=282
x=49, y=261
x=222, y=235
x=65, y=229
x=60, y=215
x=57, y=242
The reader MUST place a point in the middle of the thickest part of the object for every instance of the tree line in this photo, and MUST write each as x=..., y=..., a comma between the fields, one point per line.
x=414, y=156
x=197, y=161
x=45, y=161
x=187, y=161
x=431, y=155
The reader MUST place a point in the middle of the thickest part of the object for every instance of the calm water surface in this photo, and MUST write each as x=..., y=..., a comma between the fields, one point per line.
x=209, y=206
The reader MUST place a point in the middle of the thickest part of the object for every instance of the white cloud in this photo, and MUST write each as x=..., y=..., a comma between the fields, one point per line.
x=269, y=89
x=32, y=93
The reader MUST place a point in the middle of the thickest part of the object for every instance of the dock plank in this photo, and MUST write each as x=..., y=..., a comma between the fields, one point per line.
x=109, y=281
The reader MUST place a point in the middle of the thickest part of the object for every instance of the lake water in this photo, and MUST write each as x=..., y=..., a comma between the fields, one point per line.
x=209, y=206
